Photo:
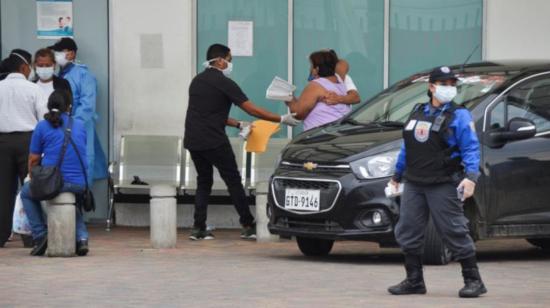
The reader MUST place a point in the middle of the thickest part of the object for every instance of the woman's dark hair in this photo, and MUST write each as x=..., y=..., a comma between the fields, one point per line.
x=334, y=53
x=217, y=51
x=325, y=61
x=44, y=52
x=15, y=60
x=58, y=102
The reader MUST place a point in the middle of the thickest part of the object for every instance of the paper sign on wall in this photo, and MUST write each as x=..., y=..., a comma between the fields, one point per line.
x=240, y=38
x=54, y=18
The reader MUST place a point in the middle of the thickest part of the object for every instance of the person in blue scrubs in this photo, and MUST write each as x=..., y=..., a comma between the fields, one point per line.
x=84, y=89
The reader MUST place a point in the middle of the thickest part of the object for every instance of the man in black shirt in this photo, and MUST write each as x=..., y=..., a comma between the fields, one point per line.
x=211, y=95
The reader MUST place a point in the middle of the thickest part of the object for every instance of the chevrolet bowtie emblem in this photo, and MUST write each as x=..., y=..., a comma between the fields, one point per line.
x=309, y=166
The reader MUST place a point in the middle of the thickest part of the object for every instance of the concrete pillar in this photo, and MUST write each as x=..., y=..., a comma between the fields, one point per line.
x=262, y=233
x=61, y=214
x=164, y=229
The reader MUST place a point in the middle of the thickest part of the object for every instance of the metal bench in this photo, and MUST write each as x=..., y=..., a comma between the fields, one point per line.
x=155, y=159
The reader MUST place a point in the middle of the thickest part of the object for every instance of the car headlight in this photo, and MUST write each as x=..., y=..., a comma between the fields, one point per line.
x=373, y=167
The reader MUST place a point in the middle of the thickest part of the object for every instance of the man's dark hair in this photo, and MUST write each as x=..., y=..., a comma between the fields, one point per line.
x=13, y=62
x=217, y=51
x=44, y=52
x=3, y=71
x=325, y=61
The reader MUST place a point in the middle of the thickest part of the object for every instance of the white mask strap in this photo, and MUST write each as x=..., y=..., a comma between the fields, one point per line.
x=22, y=58
x=207, y=62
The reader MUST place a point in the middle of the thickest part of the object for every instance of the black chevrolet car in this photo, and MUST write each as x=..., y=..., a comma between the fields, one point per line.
x=329, y=183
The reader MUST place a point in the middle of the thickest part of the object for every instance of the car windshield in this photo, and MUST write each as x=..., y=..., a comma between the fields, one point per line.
x=395, y=106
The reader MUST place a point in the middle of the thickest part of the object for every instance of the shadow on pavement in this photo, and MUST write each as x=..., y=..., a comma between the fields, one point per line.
x=394, y=256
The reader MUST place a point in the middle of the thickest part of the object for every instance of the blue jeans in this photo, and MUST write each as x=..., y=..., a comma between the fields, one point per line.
x=34, y=212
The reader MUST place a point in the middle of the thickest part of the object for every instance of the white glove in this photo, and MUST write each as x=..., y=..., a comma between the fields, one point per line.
x=289, y=119
x=27, y=178
x=393, y=189
x=467, y=187
x=245, y=129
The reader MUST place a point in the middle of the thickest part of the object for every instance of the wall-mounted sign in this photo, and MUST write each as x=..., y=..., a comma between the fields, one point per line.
x=240, y=38
x=54, y=18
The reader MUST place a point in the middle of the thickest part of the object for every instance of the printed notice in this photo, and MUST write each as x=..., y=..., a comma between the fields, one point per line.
x=54, y=18
x=240, y=38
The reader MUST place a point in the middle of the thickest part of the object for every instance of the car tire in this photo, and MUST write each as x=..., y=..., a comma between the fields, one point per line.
x=314, y=247
x=543, y=243
x=435, y=251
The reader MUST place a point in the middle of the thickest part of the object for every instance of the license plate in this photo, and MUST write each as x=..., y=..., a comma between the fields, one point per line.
x=302, y=199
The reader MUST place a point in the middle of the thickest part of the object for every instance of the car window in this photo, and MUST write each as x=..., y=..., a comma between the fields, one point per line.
x=530, y=100
x=397, y=105
x=498, y=116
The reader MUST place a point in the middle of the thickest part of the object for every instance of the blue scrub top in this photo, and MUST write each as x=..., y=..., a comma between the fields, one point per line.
x=84, y=88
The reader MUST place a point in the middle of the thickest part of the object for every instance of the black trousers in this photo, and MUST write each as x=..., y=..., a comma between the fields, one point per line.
x=14, y=154
x=223, y=159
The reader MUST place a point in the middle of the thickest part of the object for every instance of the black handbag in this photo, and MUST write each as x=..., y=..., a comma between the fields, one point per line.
x=47, y=181
x=87, y=201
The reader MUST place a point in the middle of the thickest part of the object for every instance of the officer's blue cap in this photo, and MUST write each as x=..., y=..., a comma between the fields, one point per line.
x=442, y=73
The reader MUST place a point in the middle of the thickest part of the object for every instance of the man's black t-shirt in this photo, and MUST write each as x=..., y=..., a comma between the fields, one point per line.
x=210, y=97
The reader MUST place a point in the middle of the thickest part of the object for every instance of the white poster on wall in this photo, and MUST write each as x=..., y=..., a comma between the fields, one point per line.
x=54, y=19
x=240, y=38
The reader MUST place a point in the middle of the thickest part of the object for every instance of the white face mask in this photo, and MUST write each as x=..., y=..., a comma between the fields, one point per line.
x=227, y=71
x=45, y=73
x=445, y=94
x=61, y=58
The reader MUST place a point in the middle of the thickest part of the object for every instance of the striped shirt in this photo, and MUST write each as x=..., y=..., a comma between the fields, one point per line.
x=22, y=104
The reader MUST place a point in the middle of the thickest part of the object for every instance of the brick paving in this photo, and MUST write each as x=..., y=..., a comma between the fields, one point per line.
x=122, y=271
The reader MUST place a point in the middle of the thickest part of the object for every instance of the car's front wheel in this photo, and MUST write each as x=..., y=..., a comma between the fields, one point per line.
x=314, y=247
x=543, y=243
x=435, y=251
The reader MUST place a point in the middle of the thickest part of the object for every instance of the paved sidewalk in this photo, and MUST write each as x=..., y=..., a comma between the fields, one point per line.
x=122, y=271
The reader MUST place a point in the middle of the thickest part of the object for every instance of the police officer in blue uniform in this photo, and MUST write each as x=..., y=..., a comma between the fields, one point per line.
x=439, y=164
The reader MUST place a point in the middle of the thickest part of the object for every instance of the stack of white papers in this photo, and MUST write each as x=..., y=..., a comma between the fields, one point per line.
x=280, y=90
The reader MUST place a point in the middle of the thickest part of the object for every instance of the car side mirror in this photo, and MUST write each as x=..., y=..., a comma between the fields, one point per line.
x=520, y=128
x=517, y=129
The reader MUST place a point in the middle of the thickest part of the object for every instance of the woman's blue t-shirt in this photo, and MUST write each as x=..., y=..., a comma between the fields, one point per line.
x=47, y=141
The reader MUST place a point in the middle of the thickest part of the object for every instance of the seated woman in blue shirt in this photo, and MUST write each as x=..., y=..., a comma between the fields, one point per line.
x=45, y=149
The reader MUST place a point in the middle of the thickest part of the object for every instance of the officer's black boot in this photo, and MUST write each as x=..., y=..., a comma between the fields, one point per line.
x=414, y=283
x=473, y=286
